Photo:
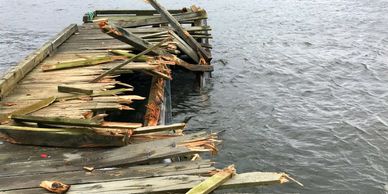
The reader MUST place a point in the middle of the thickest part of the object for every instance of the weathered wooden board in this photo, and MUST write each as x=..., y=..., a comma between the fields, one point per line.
x=171, y=184
x=127, y=155
x=201, y=167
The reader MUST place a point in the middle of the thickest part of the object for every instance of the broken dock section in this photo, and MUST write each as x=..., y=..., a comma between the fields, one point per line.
x=92, y=109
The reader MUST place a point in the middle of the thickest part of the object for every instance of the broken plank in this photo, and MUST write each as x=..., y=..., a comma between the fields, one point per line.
x=180, y=31
x=79, y=63
x=158, y=128
x=119, y=33
x=29, y=109
x=173, y=184
x=60, y=137
x=155, y=100
x=130, y=60
x=185, y=47
x=56, y=120
x=127, y=155
x=70, y=89
x=211, y=183
x=25, y=181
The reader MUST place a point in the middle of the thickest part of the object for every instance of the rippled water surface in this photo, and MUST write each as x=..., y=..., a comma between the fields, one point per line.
x=300, y=86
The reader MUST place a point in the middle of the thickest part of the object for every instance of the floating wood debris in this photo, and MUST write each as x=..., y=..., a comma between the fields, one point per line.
x=92, y=109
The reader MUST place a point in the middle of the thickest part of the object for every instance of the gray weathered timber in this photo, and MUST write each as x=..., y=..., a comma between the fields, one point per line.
x=128, y=155
x=61, y=137
x=185, y=47
x=171, y=184
x=181, y=32
x=56, y=120
x=156, y=20
x=26, y=181
x=119, y=33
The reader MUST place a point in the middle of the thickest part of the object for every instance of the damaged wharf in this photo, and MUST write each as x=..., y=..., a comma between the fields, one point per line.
x=90, y=111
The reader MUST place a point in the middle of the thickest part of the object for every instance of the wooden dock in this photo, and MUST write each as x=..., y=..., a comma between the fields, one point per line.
x=67, y=117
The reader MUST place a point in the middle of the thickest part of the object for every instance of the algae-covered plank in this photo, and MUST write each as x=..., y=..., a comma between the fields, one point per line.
x=56, y=120
x=79, y=63
x=29, y=109
x=72, y=89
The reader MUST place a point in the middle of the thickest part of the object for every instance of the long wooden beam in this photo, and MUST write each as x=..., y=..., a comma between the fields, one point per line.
x=26, y=181
x=172, y=184
x=119, y=33
x=179, y=29
x=156, y=20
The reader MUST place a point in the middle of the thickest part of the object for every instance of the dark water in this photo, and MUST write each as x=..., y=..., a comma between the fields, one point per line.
x=300, y=86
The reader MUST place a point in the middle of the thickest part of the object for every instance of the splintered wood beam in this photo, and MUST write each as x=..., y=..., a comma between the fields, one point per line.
x=142, y=58
x=141, y=153
x=26, y=180
x=185, y=47
x=72, y=89
x=56, y=120
x=155, y=99
x=60, y=137
x=180, y=31
x=171, y=184
x=127, y=37
x=28, y=109
x=130, y=60
x=80, y=63
x=158, y=128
